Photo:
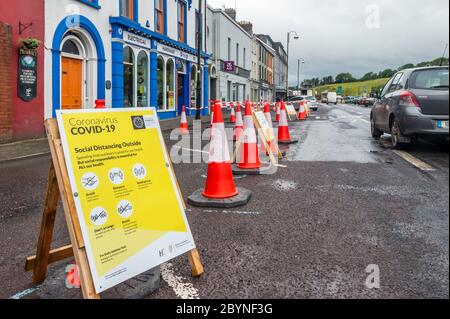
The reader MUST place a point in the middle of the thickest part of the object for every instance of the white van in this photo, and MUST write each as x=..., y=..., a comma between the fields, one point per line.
x=332, y=97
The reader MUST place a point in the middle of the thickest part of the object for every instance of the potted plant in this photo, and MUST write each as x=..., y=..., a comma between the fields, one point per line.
x=29, y=45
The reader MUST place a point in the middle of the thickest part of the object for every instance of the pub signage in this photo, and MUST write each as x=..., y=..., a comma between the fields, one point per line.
x=27, y=75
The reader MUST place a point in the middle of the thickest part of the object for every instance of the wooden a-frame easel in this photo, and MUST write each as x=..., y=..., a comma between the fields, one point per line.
x=59, y=187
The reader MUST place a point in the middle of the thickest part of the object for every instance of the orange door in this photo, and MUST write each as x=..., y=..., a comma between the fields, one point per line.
x=71, y=83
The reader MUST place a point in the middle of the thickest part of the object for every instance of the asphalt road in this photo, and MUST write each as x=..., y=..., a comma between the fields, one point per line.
x=340, y=202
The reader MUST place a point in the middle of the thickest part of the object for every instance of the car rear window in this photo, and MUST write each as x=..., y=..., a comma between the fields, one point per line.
x=434, y=79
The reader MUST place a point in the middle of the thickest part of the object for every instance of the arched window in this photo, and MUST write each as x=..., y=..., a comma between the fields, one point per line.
x=128, y=77
x=70, y=47
x=142, y=80
x=161, y=81
x=170, y=84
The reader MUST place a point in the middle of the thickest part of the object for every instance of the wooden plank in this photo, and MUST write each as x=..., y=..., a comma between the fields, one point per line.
x=47, y=227
x=87, y=284
x=69, y=194
x=54, y=256
x=195, y=262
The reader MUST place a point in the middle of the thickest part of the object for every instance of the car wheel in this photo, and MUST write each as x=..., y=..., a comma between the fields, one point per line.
x=376, y=133
x=396, y=135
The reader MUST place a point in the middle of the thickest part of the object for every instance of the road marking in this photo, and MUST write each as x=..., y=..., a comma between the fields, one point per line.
x=182, y=288
x=365, y=121
x=24, y=293
x=415, y=161
x=231, y=212
x=190, y=149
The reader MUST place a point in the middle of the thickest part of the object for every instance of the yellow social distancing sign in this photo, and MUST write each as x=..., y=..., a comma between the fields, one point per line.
x=130, y=210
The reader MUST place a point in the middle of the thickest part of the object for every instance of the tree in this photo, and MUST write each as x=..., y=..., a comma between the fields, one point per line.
x=439, y=61
x=387, y=73
x=406, y=66
x=369, y=76
x=344, y=78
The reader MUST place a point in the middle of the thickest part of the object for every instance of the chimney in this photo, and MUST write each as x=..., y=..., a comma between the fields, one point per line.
x=247, y=26
x=231, y=12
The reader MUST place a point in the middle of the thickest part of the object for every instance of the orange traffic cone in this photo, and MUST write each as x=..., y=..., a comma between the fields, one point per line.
x=233, y=114
x=284, y=137
x=219, y=183
x=268, y=116
x=249, y=158
x=184, y=124
x=302, y=114
x=239, y=125
x=277, y=117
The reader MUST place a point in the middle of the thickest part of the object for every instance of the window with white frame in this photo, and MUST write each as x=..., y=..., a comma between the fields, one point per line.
x=166, y=84
x=135, y=78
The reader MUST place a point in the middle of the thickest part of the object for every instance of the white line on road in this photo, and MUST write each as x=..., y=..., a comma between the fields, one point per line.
x=365, y=121
x=182, y=288
x=414, y=161
x=24, y=293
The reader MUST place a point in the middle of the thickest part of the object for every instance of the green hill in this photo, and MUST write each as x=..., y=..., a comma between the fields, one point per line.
x=354, y=88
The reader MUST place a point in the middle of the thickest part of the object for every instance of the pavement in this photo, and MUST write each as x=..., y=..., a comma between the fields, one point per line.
x=338, y=206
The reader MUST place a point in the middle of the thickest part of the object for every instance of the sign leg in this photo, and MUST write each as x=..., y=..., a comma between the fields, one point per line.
x=195, y=262
x=47, y=226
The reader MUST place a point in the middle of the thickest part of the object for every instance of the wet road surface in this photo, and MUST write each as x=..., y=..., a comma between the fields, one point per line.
x=343, y=202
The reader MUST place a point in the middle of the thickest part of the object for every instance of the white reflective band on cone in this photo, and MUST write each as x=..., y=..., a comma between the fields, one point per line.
x=249, y=130
x=239, y=121
x=183, y=117
x=218, y=151
x=283, y=119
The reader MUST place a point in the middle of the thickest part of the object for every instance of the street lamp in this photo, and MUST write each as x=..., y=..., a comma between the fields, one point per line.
x=302, y=61
x=199, y=58
x=296, y=37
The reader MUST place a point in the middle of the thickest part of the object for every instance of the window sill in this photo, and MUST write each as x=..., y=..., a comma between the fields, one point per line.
x=91, y=4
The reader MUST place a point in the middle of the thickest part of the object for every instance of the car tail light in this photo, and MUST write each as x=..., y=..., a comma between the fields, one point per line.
x=407, y=98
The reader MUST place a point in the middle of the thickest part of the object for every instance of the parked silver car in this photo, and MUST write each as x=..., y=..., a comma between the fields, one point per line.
x=414, y=103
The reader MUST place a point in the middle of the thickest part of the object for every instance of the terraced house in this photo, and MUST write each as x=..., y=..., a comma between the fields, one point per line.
x=130, y=53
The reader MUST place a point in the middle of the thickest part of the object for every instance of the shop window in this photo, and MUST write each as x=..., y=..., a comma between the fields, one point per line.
x=170, y=84
x=159, y=16
x=181, y=21
x=142, y=80
x=161, y=91
x=128, y=77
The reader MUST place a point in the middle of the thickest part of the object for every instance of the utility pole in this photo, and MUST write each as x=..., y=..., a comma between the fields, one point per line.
x=296, y=37
x=199, y=58
x=298, y=73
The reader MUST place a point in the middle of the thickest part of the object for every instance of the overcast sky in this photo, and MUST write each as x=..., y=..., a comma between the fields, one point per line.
x=357, y=36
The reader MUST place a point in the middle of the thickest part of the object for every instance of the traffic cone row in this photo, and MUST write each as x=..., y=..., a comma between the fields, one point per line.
x=220, y=183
